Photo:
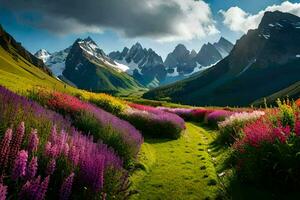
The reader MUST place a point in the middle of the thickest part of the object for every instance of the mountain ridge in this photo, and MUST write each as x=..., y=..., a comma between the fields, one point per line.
x=88, y=67
x=258, y=60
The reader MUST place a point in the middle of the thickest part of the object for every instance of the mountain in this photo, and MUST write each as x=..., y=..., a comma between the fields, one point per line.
x=208, y=55
x=182, y=62
x=20, y=70
x=223, y=46
x=88, y=67
x=145, y=65
x=262, y=62
x=54, y=61
x=42, y=54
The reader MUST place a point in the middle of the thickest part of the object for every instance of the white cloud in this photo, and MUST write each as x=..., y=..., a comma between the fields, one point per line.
x=238, y=20
x=156, y=19
x=196, y=21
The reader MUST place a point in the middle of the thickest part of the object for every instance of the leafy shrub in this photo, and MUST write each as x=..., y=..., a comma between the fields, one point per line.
x=231, y=127
x=153, y=122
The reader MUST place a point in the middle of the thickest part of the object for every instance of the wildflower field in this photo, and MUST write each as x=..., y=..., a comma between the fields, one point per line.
x=55, y=145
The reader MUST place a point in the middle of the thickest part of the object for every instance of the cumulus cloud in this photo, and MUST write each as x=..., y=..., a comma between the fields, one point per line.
x=162, y=20
x=238, y=20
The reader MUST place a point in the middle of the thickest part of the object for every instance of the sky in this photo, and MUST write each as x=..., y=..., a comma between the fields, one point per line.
x=113, y=24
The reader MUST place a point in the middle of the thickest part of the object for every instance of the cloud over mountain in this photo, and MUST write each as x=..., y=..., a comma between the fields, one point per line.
x=238, y=20
x=161, y=20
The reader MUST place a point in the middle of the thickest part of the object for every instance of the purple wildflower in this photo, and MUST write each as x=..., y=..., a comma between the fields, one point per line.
x=41, y=193
x=4, y=149
x=51, y=167
x=66, y=149
x=3, y=191
x=74, y=155
x=33, y=141
x=66, y=187
x=32, y=168
x=16, y=142
x=51, y=150
x=30, y=188
x=19, y=168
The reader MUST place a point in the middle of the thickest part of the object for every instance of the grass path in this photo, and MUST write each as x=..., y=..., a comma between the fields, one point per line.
x=177, y=169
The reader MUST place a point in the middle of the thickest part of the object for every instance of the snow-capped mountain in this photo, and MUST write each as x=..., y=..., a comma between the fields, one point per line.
x=88, y=67
x=54, y=61
x=182, y=62
x=92, y=50
x=42, y=54
x=144, y=64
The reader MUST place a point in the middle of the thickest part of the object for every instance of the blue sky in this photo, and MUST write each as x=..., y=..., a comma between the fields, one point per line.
x=21, y=24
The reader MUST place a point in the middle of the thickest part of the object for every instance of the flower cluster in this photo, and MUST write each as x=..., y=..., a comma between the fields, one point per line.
x=231, y=127
x=90, y=158
x=241, y=117
x=117, y=133
x=216, y=116
x=187, y=114
x=154, y=122
x=52, y=149
x=104, y=101
x=269, y=147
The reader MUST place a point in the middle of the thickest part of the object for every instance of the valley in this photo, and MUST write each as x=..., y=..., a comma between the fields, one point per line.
x=177, y=114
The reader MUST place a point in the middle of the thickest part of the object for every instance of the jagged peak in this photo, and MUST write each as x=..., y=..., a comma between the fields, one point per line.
x=180, y=46
x=42, y=52
x=137, y=45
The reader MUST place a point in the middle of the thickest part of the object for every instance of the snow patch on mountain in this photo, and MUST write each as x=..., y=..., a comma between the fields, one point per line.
x=42, y=54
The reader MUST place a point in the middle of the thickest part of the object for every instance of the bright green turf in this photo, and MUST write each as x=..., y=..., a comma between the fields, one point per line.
x=20, y=75
x=177, y=169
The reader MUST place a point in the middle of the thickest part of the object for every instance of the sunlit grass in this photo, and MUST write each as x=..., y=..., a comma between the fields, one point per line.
x=177, y=169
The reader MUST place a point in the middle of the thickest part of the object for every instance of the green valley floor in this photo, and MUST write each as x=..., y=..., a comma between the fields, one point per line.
x=177, y=169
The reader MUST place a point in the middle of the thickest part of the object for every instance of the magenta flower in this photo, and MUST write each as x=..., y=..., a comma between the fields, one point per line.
x=35, y=189
x=218, y=115
x=4, y=149
x=32, y=168
x=51, y=150
x=17, y=141
x=66, y=149
x=74, y=155
x=41, y=193
x=258, y=132
x=51, y=167
x=66, y=187
x=33, y=141
x=19, y=168
x=282, y=133
x=3, y=191
x=30, y=188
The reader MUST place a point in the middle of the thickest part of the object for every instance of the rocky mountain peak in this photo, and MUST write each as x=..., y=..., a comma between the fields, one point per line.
x=180, y=49
x=42, y=54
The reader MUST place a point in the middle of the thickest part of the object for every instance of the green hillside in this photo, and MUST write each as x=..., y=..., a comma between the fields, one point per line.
x=16, y=73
